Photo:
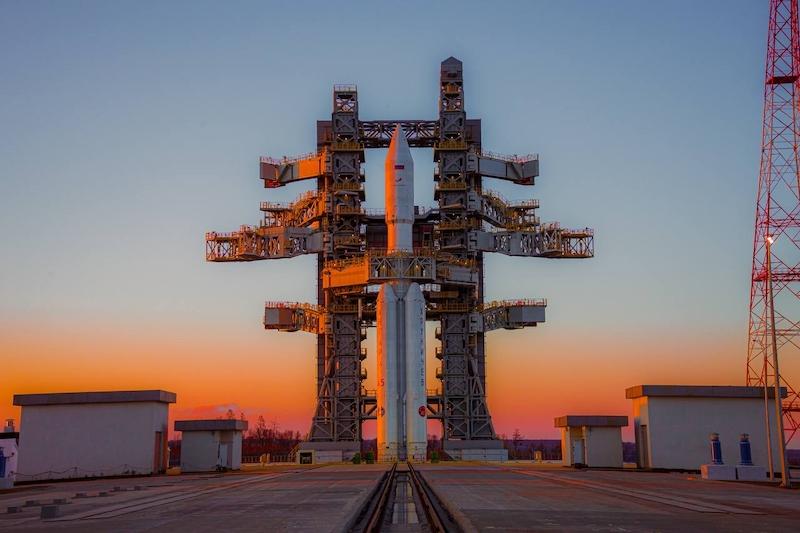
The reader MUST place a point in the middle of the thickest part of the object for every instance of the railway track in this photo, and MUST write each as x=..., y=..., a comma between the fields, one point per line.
x=402, y=501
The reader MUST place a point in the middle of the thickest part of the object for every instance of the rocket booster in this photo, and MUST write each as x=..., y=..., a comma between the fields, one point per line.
x=402, y=397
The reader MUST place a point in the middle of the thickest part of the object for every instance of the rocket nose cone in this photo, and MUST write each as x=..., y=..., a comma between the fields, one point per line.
x=399, y=142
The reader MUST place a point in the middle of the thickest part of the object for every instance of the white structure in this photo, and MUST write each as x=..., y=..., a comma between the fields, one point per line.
x=401, y=394
x=324, y=452
x=673, y=424
x=211, y=444
x=9, y=440
x=591, y=440
x=490, y=450
x=89, y=434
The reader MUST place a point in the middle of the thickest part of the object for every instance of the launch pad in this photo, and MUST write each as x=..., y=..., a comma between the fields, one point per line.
x=445, y=260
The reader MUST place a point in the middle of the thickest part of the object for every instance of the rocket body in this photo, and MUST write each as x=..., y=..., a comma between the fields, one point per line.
x=401, y=395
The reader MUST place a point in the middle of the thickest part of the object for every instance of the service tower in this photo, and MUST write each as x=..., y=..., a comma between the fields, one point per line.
x=395, y=269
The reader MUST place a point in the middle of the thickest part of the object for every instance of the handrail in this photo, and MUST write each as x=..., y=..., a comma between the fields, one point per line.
x=508, y=158
x=293, y=305
x=525, y=302
x=288, y=160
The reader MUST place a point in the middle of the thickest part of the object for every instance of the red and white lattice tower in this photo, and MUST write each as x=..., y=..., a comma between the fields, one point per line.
x=778, y=215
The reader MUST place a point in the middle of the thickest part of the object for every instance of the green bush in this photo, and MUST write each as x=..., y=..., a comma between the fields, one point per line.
x=434, y=456
x=357, y=459
x=369, y=457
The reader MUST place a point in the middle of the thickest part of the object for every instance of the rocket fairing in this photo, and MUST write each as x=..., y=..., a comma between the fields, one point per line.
x=401, y=395
x=399, y=190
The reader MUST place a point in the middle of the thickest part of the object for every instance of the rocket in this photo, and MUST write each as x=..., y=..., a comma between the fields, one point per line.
x=401, y=394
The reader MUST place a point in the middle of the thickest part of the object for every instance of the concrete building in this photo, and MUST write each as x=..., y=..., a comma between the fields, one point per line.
x=469, y=450
x=591, y=440
x=9, y=454
x=673, y=423
x=325, y=452
x=208, y=445
x=89, y=434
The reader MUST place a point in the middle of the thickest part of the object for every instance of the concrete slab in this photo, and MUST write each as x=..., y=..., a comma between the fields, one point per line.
x=751, y=473
x=297, y=498
x=718, y=472
x=530, y=498
x=515, y=496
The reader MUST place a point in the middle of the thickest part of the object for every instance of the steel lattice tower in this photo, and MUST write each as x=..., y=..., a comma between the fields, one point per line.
x=449, y=242
x=778, y=212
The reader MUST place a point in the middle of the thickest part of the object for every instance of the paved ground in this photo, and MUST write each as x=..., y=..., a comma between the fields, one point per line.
x=512, y=497
x=518, y=497
x=298, y=499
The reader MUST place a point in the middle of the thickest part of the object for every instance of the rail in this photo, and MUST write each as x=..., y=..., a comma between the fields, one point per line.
x=510, y=204
x=293, y=305
x=390, y=493
x=348, y=186
x=378, y=253
x=527, y=302
x=451, y=144
x=451, y=185
x=453, y=308
x=368, y=517
x=347, y=146
x=508, y=158
x=288, y=160
x=439, y=518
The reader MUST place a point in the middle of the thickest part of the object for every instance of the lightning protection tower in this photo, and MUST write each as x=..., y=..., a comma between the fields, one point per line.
x=777, y=225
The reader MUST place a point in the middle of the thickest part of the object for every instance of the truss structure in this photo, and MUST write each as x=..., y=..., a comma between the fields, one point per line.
x=778, y=214
x=449, y=239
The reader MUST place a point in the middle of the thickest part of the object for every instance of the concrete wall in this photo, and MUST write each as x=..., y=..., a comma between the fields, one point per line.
x=200, y=450
x=480, y=454
x=79, y=440
x=236, y=457
x=678, y=430
x=603, y=446
x=568, y=434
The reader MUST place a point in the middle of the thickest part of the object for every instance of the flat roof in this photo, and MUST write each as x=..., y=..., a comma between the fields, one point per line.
x=64, y=398
x=591, y=420
x=226, y=424
x=700, y=391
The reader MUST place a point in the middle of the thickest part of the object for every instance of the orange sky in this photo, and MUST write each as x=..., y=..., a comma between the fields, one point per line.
x=533, y=375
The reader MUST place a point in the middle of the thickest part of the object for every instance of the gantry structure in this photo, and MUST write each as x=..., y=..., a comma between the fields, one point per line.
x=450, y=240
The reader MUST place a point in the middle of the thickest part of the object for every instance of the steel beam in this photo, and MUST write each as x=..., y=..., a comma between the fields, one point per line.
x=255, y=243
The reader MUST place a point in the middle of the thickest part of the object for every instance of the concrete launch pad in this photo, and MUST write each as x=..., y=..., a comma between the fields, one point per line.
x=512, y=496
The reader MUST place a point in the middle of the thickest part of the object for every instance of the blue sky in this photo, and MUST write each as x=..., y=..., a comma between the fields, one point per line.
x=131, y=128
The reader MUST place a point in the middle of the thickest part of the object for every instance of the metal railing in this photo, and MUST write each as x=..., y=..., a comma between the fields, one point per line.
x=514, y=158
x=293, y=305
x=288, y=160
x=526, y=302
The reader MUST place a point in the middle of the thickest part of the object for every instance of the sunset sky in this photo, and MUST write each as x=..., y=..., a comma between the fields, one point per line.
x=128, y=129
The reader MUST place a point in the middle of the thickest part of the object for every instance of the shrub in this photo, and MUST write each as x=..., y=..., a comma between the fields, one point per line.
x=369, y=457
x=357, y=459
x=434, y=456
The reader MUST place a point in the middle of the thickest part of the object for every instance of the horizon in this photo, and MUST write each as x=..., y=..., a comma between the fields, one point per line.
x=138, y=127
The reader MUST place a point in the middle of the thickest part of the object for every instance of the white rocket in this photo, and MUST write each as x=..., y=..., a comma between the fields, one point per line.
x=402, y=397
